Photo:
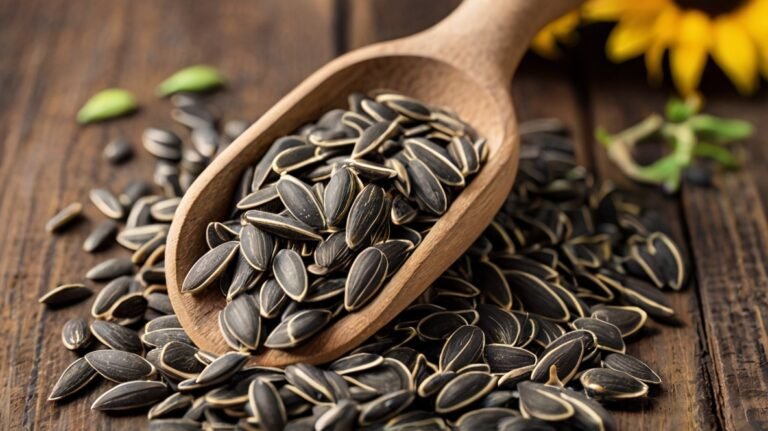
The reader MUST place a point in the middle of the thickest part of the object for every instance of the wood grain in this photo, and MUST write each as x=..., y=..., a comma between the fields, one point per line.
x=729, y=238
x=54, y=56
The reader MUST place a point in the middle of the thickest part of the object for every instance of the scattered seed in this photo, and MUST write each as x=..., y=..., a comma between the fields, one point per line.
x=131, y=395
x=66, y=294
x=64, y=217
x=75, y=377
x=75, y=334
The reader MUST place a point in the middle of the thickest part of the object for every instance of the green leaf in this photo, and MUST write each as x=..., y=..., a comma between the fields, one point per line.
x=192, y=79
x=603, y=136
x=106, y=104
x=717, y=153
x=721, y=129
x=662, y=170
x=678, y=111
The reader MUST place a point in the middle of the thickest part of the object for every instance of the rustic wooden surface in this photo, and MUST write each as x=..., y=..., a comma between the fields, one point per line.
x=54, y=55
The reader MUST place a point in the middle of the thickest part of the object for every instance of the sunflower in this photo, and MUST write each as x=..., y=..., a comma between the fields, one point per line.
x=559, y=30
x=733, y=32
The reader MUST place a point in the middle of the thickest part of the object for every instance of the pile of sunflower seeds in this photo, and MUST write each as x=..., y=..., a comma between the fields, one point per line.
x=328, y=214
x=527, y=330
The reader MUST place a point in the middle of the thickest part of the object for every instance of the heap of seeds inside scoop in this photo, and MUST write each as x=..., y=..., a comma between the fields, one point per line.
x=328, y=214
x=526, y=331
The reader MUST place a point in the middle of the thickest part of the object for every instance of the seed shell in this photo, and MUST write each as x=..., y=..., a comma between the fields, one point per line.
x=131, y=395
x=64, y=217
x=66, y=294
x=209, y=267
x=75, y=377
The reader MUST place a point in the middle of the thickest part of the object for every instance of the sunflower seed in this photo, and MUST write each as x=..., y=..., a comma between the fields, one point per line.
x=339, y=194
x=291, y=274
x=385, y=407
x=75, y=377
x=161, y=337
x=178, y=359
x=364, y=214
x=128, y=306
x=606, y=384
x=164, y=210
x=116, y=337
x=426, y=187
x=282, y=226
x=341, y=416
x=297, y=328
x=107, y=203
x=222, y=368
x=629, y=320
x=119, y=366
x=64, y=217
x=463, y=347
x=75, y=334
x=436, y=159
x=485, y=418
x=118, y=151
x=538, y=401
x=66, y=294
x=100, y=235
x=241, y=316
x=366, y=276
x=259, y=198
x=562, y=361
x=463, y=390
x=209, y=267
x=110, y=269
x=267, y=405
x=173, y=405
x=300, y=201
x=632, y=366
x=131, y=395
x=373, y=136
x=608, y=335
x=162, y=143
x=503, y=358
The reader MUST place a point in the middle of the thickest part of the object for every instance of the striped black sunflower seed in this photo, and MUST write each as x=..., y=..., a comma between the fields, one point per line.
x=66, y=294
x=75, y=334
x=131, y=395
x=75, y=377
x=119, y=366
x=64, y=217
x=103, y=233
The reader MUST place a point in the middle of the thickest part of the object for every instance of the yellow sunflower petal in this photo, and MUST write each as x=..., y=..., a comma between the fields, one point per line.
x=609, y=10
x=629, y=39
x=544, y=44
x=688, y=55
x=664, y=31
x=687, y=63
x=735, y=53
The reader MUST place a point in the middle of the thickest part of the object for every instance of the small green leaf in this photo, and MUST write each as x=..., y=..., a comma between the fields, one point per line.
x=603, y=136
x=717, y=153
x=678, y=111
x=191, y=79
x=106, y=104
x=721, y=129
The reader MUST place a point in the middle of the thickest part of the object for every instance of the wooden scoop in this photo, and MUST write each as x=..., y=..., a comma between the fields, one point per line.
x=465, y=63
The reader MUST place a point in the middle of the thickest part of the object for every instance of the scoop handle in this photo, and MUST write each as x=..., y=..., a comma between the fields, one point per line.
x=488, y=37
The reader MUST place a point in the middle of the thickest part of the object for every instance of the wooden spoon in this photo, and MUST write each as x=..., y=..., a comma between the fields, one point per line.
x=466, y=63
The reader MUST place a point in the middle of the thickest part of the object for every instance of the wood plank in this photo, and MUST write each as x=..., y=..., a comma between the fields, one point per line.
x=729, y=236
x=618, y=97
x=53, y=57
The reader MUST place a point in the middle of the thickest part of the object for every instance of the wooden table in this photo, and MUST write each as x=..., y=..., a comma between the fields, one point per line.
x=55, y=53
